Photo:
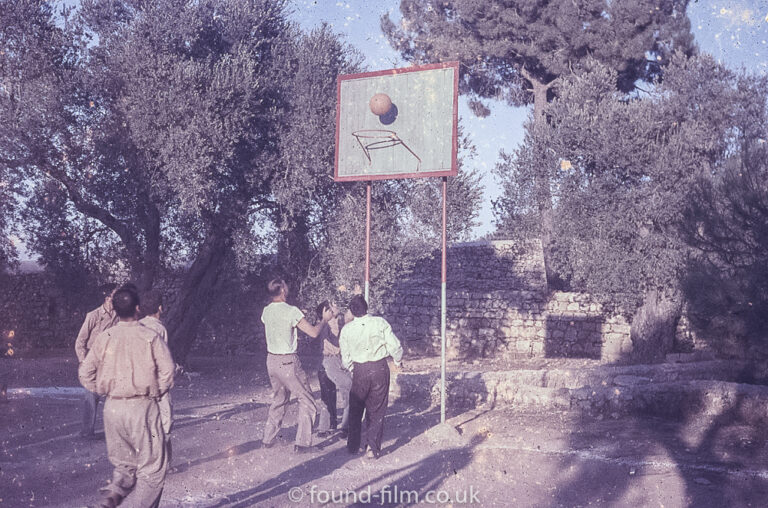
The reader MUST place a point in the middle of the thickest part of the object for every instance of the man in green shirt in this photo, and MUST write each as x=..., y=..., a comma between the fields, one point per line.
x=366, y=343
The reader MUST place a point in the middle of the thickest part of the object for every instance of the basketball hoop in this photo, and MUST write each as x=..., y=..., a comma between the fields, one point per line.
x=377, y=139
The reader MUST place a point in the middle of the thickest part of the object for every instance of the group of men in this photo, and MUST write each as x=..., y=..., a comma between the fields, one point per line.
x=126, y=360
x=356, y=365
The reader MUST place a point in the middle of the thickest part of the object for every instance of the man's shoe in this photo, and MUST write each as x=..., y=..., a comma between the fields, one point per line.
x=324, y=433
x=266, y=445
x=371, y=455
x=304, y=449
x=343, y=433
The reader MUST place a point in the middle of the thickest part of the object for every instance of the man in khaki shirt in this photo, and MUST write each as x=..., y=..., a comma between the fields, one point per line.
x=366, y=343
x=281, y=324
x=132, y=366
x=152, y=307
x=95, y=322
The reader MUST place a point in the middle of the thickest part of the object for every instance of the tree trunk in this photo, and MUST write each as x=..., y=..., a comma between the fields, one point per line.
x=653, y=328
x=150, y=261
x=294, y=251
x=193, y=301
x=543, y=191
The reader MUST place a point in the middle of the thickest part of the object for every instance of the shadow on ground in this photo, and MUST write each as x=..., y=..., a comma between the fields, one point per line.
x=405, y=422
x=700, y=445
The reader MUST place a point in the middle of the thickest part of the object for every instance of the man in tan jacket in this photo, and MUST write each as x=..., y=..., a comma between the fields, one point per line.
x=152, y=307
x=132, y=366
x=96, y=321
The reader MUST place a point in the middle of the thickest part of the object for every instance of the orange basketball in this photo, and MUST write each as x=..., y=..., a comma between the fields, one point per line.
x=380, y=104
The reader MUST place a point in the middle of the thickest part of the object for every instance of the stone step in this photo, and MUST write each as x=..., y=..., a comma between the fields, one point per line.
x=598, y=375
x=674, y=393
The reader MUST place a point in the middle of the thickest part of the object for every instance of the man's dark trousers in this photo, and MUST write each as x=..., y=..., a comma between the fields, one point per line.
x=370, y=392
x=328, y=395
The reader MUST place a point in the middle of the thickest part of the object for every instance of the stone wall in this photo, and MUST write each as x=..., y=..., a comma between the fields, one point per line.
x=35, y=313
x=498, y=305
x=497, y=298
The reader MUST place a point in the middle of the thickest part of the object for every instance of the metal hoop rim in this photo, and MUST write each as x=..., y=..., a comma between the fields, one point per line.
x=375, y=133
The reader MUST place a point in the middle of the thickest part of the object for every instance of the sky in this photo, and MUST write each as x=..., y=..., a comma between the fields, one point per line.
x=733, y=32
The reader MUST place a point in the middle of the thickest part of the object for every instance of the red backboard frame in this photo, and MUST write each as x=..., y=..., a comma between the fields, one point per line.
x=454, y=119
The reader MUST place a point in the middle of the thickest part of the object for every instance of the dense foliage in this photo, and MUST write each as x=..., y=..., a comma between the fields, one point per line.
x=520, y=52
x=142, y=138
x=654, y=193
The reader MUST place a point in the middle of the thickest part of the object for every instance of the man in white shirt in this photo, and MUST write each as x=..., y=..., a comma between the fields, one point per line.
x=365, y=343
x=281, y=323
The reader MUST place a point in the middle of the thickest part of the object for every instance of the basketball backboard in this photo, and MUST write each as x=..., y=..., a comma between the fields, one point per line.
x=398, y=123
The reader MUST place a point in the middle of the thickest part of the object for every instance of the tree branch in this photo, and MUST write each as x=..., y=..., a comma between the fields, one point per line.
x=94, y=211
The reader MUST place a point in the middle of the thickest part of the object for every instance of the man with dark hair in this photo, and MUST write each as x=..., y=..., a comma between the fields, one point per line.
x=281, y=322
x=152, y=304
x=131, y=365
x=152, y=307
x=331, y=377
x=366, y=342
x=130, y=286
x=95, y=322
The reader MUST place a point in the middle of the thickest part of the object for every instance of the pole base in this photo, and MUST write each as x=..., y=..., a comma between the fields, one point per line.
x=444, y=433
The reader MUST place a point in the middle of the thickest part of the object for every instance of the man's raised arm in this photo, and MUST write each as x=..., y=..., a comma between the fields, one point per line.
x=314, y=331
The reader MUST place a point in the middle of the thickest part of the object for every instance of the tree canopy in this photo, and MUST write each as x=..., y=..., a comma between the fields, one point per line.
x=512, y=50
x=519, y=52
x=195, y=138
x=625, y=173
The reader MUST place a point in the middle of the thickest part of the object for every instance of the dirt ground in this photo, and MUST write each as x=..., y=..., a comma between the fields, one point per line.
x=501, y=457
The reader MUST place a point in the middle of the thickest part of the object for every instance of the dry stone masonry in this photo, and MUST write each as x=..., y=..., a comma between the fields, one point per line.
x=498, y=305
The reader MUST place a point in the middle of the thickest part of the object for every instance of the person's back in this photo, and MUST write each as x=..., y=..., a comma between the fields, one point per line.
x=366, y=343
x=281, y=324
x=132, y=366
x=127, y=367
x=95, y=322
x=368, y=338
x=280, y=327
x=152, y=306
x=156, y=326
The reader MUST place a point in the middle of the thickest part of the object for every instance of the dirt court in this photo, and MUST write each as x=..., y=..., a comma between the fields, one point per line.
x=501, y=457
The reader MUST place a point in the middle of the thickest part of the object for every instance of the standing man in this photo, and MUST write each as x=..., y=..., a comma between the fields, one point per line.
x=332, y=376
x=152, y=307
x=281, y=322
x=366, y=342
x=132, y=366
x=95, y=322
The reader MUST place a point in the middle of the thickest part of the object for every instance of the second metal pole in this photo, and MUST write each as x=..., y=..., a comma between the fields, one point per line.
x=443, y=304
x=367, y=241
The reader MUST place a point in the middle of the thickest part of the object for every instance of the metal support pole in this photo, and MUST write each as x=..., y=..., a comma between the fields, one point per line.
x=367, y=241
x=443, y=304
